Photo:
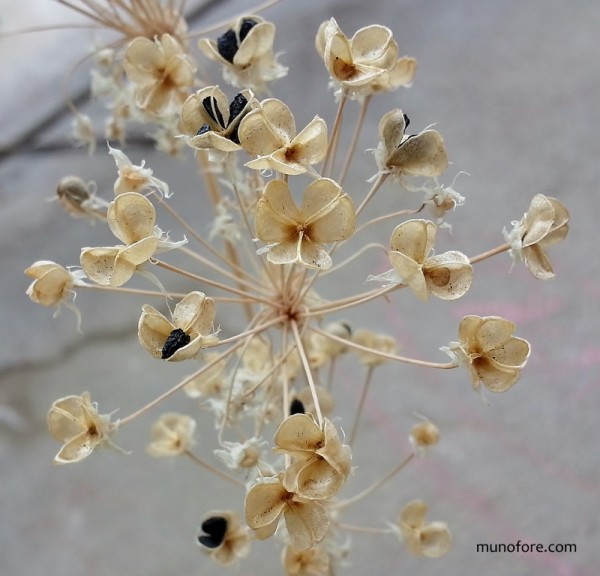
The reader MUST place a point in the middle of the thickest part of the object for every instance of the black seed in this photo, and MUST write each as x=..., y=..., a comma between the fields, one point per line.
x=212, y=109
x=215, y=528
x=203, y=129
x=237, y=106
x=296, y=407
x=177, y=339
x=406, y=121
x=347, y=327
x=227, y=45
x=247, y=25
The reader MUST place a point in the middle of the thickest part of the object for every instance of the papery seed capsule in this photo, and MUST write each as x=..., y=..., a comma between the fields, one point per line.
x=215, y=528
x=177, y=339
x=72, y=192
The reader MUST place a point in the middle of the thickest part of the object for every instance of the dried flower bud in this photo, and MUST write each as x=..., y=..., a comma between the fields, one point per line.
x=78, y=198
x=488, y=349
x=223, y=538
x=379, y=342
x=311, y=562
x=134, y=178
x=545, y=223
x=431, y=540
x=424, y=435
x=238, y=456
x=74, y=420
x=297, y=235
x=172, y=434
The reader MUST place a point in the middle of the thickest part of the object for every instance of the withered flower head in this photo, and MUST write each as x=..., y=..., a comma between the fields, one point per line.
x=423, y=154
x=131, y=218
x=311, y=562
x=306, y=521
x=52, y=283
x=223, y=538
x=545, y=223
x=186, y=335
x=211, y=123
x=162, y=72
x=320, y=462
x=78, y=198
x=297, y=234
x=74, y=421
x=172, y=434
x=246, y=53
x=366, y=63
x=134, y=178
x=447, y=276
x=270, y=132
x=424, y=435
x=432, y=540
x=488, y=349
x=369, y=339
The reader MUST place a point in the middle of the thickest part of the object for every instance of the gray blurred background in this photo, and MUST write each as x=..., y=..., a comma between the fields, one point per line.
x=513, y=87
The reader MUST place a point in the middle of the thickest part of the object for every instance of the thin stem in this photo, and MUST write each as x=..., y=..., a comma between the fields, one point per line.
x=334, y=138
x=133, y=291
x=362, y=529
x=349, y=343
x=212, y=283
x=350, y=301
x=490, y=253
x=307, y=371
x=387, y=217
x=251, y=332
x=214, y=470
x=376, y=485
x=355, y=137
x=381, y=178
x=361, y=404
x=124, y=421
x=354, y=256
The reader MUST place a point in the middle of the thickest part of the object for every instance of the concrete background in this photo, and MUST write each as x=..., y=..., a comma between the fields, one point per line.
x=513, y=87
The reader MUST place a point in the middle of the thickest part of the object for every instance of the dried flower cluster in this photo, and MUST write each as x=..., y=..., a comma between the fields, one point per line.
x=278, y=224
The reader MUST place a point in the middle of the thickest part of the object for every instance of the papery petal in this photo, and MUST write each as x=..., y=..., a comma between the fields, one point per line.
x=513, y=354
x=257, y=43
x=131, y=217
x=414, y=513
x=67, y=418
x=265, y=503
x=286, y=252
x=338, y=224
x=467, y=329
x=414, y=239
x=421, y=155
x=153, y=330
x=410, y=273
x=313, y=255
x=299, y=433
x=435, y=540
x=448, y=275
x=144, y=54
x=538, y=220
x=76, y=449
x=493, y=332
x=391, y=129
x=494, y=377
x=374, y=45
x=98, y=263
x=316, y=479
x=277, y=215
x=537, y=262
x=307, y=523
x=195, y=312
x=312, y=141
x=268, y=128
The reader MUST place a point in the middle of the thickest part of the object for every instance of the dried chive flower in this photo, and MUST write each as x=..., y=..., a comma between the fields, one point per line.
x=488, y=349
x=223, y=538
x=171, y=434
x=421, y=539
x=75, y=421
x=545, y=223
